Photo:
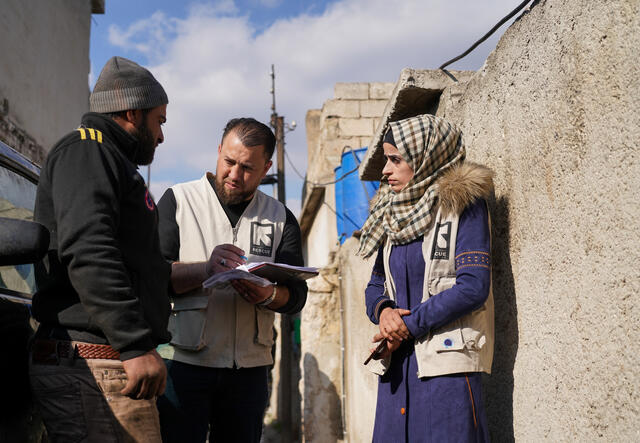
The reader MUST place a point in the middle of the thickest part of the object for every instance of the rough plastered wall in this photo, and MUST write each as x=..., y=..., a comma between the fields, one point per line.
x=348, y=119
x=44, y=73
x=361, y=385
x=320, y=364
x=554, y=112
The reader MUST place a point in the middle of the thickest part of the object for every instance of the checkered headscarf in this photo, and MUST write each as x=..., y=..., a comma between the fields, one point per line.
x=430, y=145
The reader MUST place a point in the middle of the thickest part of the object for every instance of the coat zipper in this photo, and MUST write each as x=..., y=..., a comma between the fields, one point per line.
x=235, y=229
x=235, y=232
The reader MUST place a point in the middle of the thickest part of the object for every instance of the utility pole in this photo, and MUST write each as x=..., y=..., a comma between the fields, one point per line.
x=277, y=123
x=284, y=391
x=279, y=130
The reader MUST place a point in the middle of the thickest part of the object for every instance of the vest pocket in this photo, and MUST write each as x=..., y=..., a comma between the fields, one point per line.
x=264, y=327
x=449, y=339
x=187, y=322
x=474, y=339
x=474, y=333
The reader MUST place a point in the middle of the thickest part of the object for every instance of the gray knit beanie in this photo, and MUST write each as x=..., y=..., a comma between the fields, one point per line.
x=125, y=85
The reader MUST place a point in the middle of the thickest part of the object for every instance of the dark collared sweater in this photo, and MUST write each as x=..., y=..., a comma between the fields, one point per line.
x=104, y=279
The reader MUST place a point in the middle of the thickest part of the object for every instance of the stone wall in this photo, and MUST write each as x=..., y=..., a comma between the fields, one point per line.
x=44, y=74
x=348, y=119
x=361, y=385
x=339, y=392
x=320, y=383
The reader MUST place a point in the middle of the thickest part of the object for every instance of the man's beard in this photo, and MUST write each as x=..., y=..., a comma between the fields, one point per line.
x=229, y=197
x=146, y=144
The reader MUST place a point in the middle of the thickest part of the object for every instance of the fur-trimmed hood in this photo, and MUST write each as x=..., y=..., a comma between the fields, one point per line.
x=462, y=184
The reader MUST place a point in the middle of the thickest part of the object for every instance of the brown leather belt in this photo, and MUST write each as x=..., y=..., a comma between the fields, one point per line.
x=50, y=351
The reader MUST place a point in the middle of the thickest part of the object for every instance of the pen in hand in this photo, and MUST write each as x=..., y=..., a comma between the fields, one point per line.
x=377, y=350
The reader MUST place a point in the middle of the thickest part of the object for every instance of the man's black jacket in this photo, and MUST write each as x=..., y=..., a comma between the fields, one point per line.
x=104, y=279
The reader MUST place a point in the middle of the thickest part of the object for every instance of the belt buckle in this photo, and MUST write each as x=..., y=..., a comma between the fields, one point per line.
x=45, y=352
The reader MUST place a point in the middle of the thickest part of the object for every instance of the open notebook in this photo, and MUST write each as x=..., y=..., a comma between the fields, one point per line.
x=261, y=273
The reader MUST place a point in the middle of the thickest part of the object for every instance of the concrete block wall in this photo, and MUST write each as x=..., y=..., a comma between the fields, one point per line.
x=347, y=119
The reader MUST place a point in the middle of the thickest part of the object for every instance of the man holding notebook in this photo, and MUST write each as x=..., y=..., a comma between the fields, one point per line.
x=220, y=352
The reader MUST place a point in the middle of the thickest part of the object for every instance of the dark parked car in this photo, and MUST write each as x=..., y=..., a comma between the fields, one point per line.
x=22, y=242
x=18, y=182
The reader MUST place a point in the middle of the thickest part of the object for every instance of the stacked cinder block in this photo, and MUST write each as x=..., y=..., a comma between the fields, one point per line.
x=348, y=119
x=352, y=115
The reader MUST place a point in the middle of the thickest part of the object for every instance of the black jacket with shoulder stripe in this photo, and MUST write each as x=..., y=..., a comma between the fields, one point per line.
x=104, y=279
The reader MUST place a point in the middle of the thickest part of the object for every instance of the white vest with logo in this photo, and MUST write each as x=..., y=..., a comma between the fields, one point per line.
x=465, y=344
x=217, y=327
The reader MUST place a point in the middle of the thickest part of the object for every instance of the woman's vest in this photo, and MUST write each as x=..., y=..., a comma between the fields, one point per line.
x=466, y=344
x=217, y=327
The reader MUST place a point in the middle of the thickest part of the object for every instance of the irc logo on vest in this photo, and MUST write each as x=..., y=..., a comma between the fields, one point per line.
x=262, y=239
x=442, y=242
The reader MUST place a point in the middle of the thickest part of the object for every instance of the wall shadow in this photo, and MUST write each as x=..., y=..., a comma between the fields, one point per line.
x=322, y=409
x=498, y=387
x=274, y=431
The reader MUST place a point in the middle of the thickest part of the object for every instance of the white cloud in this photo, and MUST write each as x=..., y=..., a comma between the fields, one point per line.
x=215, y=65
x=146, y=36
x=157, y=188
x=92, y=77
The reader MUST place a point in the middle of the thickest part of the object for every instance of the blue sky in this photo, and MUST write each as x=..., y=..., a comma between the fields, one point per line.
x=123, y=13
x=214, y=58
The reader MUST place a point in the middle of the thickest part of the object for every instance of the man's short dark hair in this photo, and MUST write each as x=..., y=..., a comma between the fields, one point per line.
x=252, y=133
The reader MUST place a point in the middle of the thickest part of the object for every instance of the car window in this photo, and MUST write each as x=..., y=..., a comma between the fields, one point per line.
x=17, y=199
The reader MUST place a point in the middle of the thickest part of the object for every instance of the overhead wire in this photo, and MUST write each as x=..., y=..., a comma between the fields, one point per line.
x=487, y=35
x=342, y=177
x=444, y=65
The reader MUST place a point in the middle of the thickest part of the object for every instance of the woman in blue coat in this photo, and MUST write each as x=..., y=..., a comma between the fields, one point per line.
x=430, y=288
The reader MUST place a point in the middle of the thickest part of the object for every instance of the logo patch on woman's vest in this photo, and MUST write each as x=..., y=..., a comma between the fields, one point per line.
x=441, y=242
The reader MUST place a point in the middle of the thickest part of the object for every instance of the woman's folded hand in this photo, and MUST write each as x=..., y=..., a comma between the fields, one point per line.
x=392, y=327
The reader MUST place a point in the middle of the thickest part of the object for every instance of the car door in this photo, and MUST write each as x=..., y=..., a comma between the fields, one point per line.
x=18, y=183
x=19, y=420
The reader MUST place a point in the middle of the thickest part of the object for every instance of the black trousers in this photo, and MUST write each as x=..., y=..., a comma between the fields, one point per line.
x=228, y=403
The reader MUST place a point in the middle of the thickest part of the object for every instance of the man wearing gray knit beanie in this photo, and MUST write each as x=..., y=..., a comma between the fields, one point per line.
x=102, y=298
